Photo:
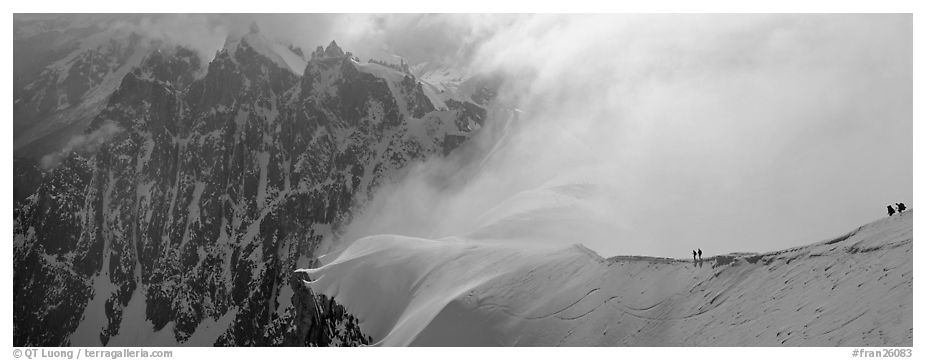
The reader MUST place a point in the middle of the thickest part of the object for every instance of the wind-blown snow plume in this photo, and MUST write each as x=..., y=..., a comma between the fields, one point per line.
x=653, y=135
x=854, y=290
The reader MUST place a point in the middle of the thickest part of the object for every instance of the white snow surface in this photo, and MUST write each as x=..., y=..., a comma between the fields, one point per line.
x=445, y=79
x=295, y=62
x=443, y=82
x=439, y=85
x=854, y=290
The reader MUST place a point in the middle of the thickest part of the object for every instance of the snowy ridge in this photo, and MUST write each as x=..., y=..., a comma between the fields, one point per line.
x=855, y=290
x=442, y=83
x=443, y=79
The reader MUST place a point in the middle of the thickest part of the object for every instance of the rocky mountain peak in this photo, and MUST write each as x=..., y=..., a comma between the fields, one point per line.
x=333, y=50
x=212, y=191
x=174, y=65
x=330, y=52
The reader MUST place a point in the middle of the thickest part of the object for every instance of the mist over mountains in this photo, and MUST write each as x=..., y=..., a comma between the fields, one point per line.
x=173, y=172
x=179, y=211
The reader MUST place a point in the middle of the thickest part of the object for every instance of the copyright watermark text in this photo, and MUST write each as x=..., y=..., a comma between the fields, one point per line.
x=72, y=354
x=882, y=353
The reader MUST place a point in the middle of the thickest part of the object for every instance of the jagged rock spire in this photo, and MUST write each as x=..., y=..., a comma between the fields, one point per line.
x=333, y=50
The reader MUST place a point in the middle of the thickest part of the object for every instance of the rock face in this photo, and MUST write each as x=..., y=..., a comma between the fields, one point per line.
x=63, y=72
x=207, y=193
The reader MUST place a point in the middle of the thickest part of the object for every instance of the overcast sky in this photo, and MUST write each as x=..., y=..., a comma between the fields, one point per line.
x=724, y=132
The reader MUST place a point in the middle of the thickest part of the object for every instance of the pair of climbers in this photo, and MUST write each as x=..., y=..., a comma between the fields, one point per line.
x=900, y=209
x=696, y=254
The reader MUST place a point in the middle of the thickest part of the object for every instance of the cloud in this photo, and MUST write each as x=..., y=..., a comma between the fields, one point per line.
x=88, y=142
x=725, y=132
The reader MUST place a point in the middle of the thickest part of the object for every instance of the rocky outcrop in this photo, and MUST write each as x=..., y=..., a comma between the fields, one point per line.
x=212, y=191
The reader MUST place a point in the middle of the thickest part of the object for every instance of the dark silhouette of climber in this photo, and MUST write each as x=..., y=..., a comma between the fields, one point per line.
x=901, y=207
x=699, y=255
x=694, y=256
x=890, y=211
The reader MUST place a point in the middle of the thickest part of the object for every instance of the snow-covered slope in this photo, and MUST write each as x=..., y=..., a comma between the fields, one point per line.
x=64, y=75
x=444, y=80
x=855, y=290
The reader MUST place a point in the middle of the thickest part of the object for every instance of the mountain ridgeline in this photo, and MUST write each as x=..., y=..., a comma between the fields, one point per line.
x=210, y=185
